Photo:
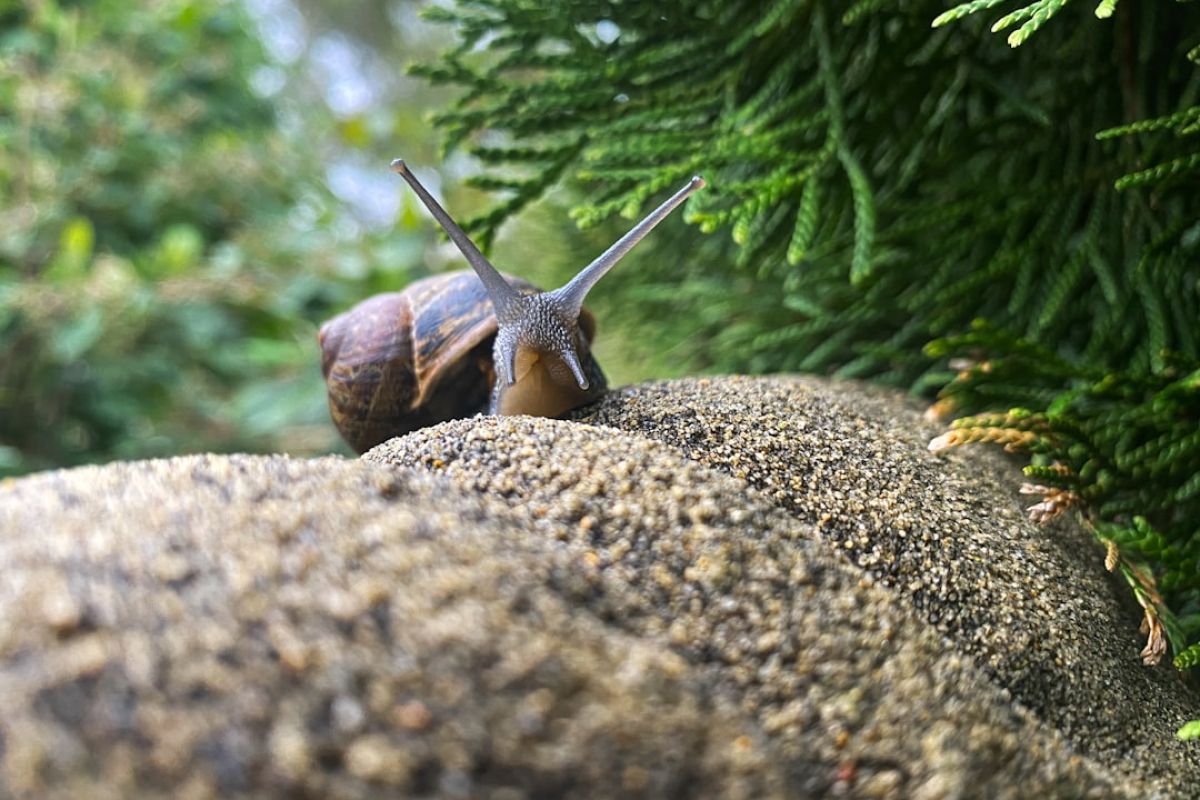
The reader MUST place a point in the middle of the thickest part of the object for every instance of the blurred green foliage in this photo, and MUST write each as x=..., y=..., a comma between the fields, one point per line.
x=167, y=245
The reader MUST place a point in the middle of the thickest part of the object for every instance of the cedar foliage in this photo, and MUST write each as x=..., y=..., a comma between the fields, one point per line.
x=877, y=185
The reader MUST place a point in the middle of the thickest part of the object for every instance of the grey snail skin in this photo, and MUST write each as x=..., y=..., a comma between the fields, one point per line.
x=461, y=343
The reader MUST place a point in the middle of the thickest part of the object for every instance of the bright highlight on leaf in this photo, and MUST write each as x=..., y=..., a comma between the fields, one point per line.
x=1032, y=16
x=1189, y=657
x=964, y=10
x=1189, y=731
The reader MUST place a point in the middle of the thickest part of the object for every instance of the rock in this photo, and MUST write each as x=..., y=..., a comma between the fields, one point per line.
x=1032, y=605
x=854, y=690
x=231, y=626
x=762, y=588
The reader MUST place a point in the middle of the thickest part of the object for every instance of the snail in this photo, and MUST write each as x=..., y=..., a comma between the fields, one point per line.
x=466, y=342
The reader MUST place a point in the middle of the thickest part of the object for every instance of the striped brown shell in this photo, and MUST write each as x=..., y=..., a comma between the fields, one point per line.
x=405, y=360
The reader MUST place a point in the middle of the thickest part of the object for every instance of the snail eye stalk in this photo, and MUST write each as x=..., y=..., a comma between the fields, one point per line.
x=502, y=295
x=571, y=296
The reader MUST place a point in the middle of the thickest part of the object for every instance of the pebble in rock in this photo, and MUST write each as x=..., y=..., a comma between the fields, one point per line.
x=861, y=698
x=1033, y=605
x=234, y=626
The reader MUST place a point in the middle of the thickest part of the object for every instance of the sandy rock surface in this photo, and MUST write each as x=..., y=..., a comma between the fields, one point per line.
x=227, y=626
x=1032, y=605
x=754, y=588
x=845, y=680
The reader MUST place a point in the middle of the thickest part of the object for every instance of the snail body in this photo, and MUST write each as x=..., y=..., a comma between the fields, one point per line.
x=466, y=342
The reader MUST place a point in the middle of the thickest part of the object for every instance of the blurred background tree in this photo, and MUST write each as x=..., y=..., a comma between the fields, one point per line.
x=180, y=211
x=189, y=189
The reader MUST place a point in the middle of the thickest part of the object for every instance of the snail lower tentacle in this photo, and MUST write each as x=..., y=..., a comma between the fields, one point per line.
x=546, y=386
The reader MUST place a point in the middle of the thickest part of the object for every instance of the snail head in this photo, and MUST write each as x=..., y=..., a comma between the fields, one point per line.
x=538, y=341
